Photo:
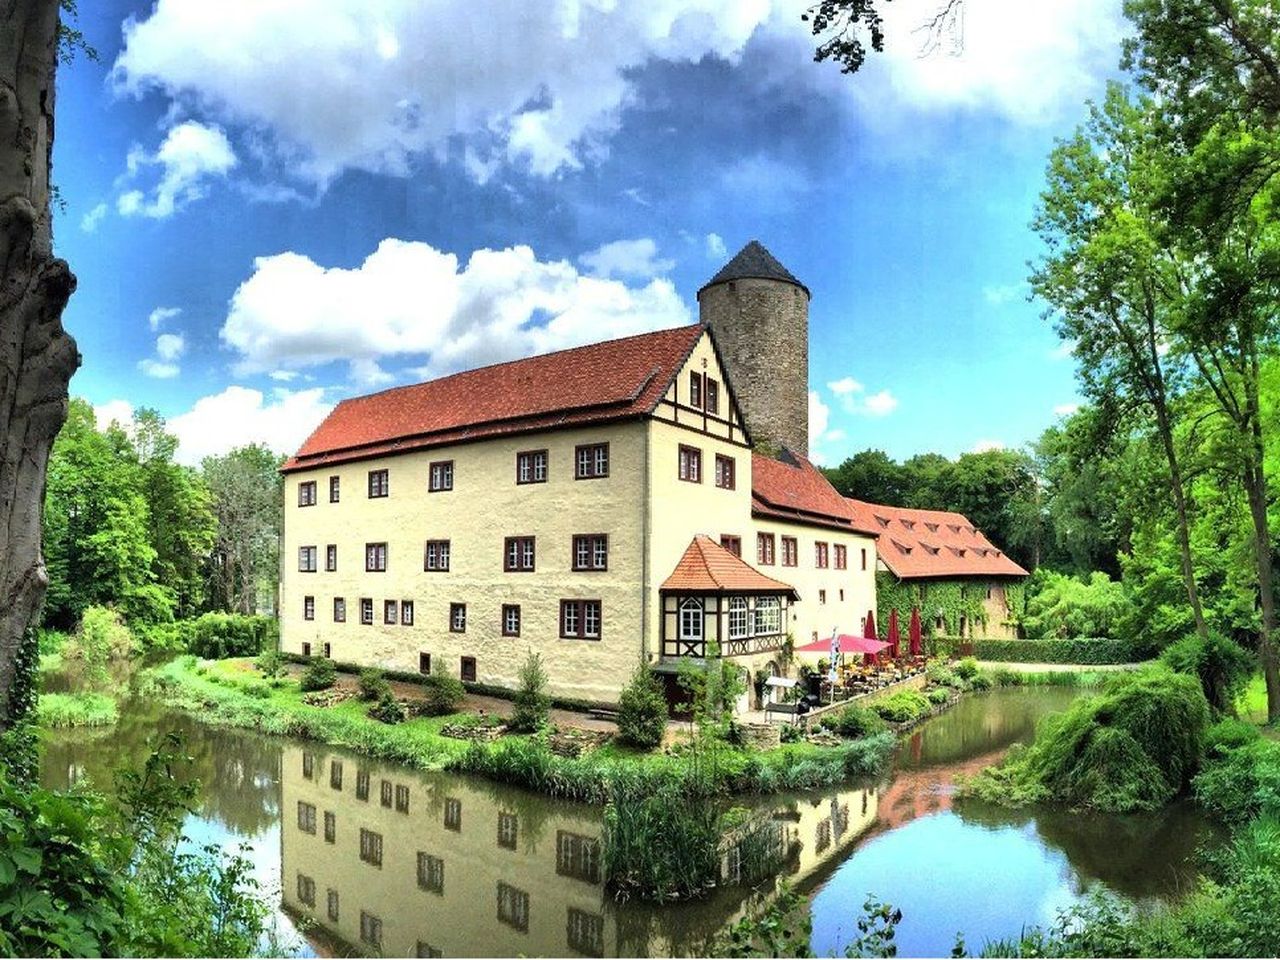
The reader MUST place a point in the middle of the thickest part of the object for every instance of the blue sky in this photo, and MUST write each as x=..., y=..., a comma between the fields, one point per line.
x=272, y=206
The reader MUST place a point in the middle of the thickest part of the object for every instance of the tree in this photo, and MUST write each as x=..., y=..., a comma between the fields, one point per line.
x=245, y=486
x=532, y=705
x=642, y=710
x=37, y=357
x=847, y=26
x=870, y=475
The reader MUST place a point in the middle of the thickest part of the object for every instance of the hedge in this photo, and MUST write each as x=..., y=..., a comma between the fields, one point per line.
x=215, y=636
x=1084, y=650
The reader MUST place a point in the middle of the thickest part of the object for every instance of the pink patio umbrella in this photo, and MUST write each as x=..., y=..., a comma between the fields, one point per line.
x=848, y=643
x=914, y=631
x=894, y=636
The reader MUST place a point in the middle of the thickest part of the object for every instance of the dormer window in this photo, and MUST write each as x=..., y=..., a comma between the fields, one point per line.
x=909, y=524
x=931, y=527
x=883, y=521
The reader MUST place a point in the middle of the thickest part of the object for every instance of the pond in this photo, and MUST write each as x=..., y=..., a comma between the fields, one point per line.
x=368, y=858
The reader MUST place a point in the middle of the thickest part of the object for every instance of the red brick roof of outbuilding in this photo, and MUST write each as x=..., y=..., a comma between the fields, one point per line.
x=931, y=543
x=707, y=567
x=797, y=491
x=596, y=383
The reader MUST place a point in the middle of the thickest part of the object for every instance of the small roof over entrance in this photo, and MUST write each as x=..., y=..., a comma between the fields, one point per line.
x=707, y=567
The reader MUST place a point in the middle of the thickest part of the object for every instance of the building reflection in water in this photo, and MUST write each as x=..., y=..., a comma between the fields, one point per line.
x=387, y=861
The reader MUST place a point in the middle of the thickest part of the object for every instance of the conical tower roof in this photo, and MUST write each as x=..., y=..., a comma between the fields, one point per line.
x=755, y=262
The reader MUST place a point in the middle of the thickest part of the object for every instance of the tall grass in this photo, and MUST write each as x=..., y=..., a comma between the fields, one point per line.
x=56, y=711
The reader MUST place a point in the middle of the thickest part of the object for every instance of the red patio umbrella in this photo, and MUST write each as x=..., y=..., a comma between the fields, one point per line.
x=894, y=635
x=916, y=646
x=869, y=631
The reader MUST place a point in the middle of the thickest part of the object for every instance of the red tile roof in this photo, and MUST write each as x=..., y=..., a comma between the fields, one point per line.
x=796, y=491
x=707, y=567
x=931, y=543
x=600, y=382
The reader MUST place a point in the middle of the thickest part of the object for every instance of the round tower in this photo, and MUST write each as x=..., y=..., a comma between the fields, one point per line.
x=759, y=314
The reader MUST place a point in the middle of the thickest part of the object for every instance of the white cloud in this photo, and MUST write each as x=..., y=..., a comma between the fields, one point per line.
x=1066, y=409
x=113, y=411
x=819, y=419
x=985, y=446
x=880, y=404
x=160, y=315
x=715, y=246
x=283, y=376
x=854, y=399
x=159, y=369
x=411, y=301
x=169, y=346
x=626, y=258
x=999, y=295
x=164, y=365
x=89, y=222
x=845, y=386
x=190, y=156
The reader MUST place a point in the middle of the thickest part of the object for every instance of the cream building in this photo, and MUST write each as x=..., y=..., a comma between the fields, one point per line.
x=600, y=506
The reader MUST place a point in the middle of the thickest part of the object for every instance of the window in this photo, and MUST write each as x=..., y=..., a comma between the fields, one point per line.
x=306, y=817
x=306, y=890
x=713, y=396
x=531, y=466
x=577, y=856
x=402, y=798
x=375, y=558
x=366, y=610
x=362, y=785
x=820, y=554
x=330, y=827
x=842, y=595
x=333, y=905
x=822, y=596
x=406, y=613
x=739, y=619
x=389, y=609
x=436, y=556
x=430, y=873
x=580, y=619
x=511, y=619
x=508, y=830
x=695, y=389
x=457, y=618
x=724, y=472
x=467, y=669
x=335, y=774
x=331, y=557
x=765, y=547
x=308, y=765
x=441, y=477
x=584, y=932
x=731, y=543
x=334, y=489
x=339, y=609
x=591, y=551
x=452, y=813
x=425, y=949
x=768, y=616
x=308, y=608
x=424, y=663
x=386, y=793
x=370, y=929
x=306, y=649
x=328, y=651
x=691, y=619
x=789, y=552
x=307, y=493
x=518, y=554
x=307, y=559
x=379, y=484
x=513, y=907
x=371, y=847
x=591, y=461
x=690, y=464
x=864, y=558
x=842, y=556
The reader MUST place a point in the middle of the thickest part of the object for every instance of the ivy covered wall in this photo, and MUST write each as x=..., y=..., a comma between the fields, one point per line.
x=951, y=599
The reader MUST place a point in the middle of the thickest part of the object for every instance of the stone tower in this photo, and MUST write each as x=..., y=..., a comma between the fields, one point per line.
x=759, y=313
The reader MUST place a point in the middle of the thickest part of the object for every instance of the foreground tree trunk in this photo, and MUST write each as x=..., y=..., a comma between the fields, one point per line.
x=37, y=358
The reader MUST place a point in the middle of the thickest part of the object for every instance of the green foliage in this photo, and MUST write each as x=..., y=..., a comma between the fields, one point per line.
x=980, y=682
x=101, y=639
x=967, y=668
x=1241, y=774
x=937, y=696
x=61, y=710
x=372, y=685
x=904, y=706
x=1084, y=651
x=387, y=709
x=780, y=929
x=642, y=710
x=19, y=746
x=216, y=636
x=1060, y=606
x=940, y=675
x=853, y=721
x=1134, y=746
x=270, y=663
x=1222, y=666
x=320, y=674
x=441, y=695
x=532, y=705
x=949, y=599
x=246, y=490
x=877, y=930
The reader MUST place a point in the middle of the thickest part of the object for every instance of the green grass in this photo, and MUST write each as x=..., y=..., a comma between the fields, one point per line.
x=57, y=711
x=1252, y=703
x=1001, y=677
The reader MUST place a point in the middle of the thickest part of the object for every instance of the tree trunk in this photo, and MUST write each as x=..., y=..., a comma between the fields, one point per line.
x=1255, y=479
x=1184, y=525
x=37, y=358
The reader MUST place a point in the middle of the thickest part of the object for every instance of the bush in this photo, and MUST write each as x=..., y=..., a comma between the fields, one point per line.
x=902, y=707
x=980, y=682
x=101, y=638
x=532, y=705
x=1241, y=773
x=320, y=674
x=1060, y=606
x=642, y=710
x=387, y=709
x=56, y=711
x=1135, y=746
x=440, y=695
x=372, y=685
x=937, y=696
x=216, y=636
x=270, y=664
x=967, y=668
x=1222, y=666
x=1087, y=651
x=853, y=722
x=942, y=676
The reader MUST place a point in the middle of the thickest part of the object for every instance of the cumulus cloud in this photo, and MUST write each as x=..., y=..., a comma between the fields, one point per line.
x=119, y=412
x=715, y=246
x=169, y=346
x=164, y=365
x=880, y=404
x=819, y=419
x=1066, y=409
x=190, y=157
x=89, y=222
x=161, y=315
x=853, y=397
x=626, y=258
x=845, y=386
x=410, y=301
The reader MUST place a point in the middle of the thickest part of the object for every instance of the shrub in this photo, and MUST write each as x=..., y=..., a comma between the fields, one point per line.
x=1241, y=774
x=942, y=676
x=938, y=696
x=320, y=674
x=1088, y=651
x=1222, y=666
x=216, y=636
x=853, y=722
x=101, y=638
x=980, y=682
x=387, y=709
x=642, y=710
x=532, y=705
x=56, y=711
x=270, y=663
x=440, y=695
x=902, y=707
x=372, y=685
x=967, y=668
x=790, y=733
x=1062, y=606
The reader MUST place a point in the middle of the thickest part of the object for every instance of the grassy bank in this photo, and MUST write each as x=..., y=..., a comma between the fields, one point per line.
x=57, y=711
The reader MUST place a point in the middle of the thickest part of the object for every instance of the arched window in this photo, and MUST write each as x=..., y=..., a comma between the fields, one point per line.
x=691, y=616
x=739, y=622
